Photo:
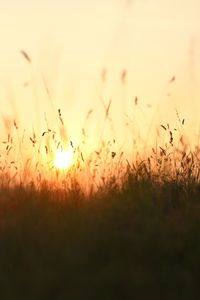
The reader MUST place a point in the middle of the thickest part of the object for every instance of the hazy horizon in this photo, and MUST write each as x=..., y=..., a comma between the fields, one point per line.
x=70, y=43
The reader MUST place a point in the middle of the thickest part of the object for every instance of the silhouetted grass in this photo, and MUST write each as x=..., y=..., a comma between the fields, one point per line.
x=139, y=241
x=108, y=228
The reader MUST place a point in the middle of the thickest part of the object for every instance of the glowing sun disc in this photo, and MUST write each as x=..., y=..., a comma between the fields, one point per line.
x=64, y=159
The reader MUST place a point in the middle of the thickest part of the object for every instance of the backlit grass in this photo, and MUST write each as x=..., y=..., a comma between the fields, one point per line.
x=110, y=224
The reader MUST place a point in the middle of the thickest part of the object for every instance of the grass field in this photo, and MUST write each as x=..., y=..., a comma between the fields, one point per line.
x=136, y=241
x=109, y=226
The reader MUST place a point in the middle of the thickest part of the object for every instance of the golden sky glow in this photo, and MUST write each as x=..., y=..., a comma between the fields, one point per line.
x=71, y=42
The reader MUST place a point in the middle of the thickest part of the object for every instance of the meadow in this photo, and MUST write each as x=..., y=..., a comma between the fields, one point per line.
x=137, y=241
x=107, y=225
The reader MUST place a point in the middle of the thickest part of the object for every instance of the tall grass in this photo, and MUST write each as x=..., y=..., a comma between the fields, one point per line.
x=112, y=226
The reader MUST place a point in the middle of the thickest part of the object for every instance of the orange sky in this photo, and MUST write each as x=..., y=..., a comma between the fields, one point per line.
x=70, y=42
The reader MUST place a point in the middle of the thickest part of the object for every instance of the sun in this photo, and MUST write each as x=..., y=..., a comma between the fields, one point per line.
x=64, y=159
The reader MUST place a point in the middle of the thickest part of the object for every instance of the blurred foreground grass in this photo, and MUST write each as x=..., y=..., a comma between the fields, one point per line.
x=140, y=241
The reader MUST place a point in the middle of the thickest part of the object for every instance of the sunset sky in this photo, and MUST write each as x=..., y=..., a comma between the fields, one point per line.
x=70, y=42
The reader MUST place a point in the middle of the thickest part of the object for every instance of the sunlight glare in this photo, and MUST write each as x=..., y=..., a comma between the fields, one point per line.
x=64, y=159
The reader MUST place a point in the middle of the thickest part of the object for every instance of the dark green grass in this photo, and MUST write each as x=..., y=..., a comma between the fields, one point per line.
x=138, y=242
